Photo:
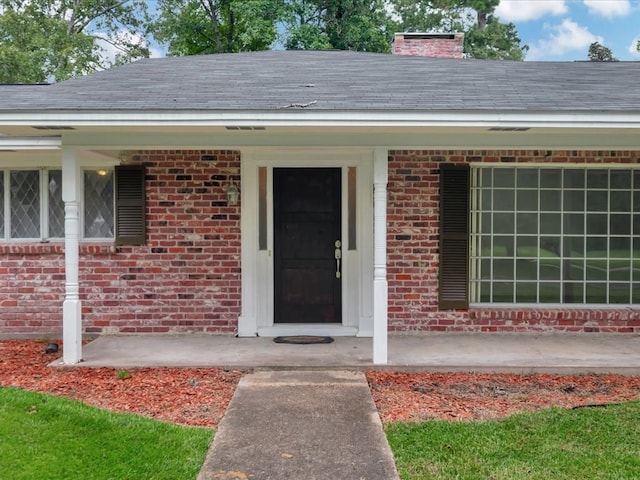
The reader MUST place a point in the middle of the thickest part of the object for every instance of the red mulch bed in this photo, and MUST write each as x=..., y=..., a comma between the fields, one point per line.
x=199, y=396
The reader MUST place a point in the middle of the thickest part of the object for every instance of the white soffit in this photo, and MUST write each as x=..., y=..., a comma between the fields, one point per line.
x=317, y=118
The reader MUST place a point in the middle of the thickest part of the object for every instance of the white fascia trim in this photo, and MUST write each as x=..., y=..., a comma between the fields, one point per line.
x=318, y=118
x=30, y=143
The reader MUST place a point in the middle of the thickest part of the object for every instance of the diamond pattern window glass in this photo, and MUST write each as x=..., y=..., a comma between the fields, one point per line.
x=56, y=205
x=25, y=203
x=98, y=204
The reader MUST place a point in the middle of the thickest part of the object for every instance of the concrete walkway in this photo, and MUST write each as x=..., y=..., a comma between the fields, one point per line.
x=312, y=425
x=526, y=353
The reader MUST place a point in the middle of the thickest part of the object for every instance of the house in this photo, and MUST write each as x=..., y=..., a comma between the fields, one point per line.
x=329, y=193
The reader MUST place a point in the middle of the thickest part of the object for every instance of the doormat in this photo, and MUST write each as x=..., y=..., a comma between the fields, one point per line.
x=303, y=339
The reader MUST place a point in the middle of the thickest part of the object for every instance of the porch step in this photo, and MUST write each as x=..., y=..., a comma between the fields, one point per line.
x=311, y=425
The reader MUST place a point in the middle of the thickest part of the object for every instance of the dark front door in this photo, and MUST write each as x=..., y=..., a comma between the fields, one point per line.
x=306, y=216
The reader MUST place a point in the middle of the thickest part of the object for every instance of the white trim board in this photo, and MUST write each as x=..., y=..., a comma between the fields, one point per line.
x=257, y=317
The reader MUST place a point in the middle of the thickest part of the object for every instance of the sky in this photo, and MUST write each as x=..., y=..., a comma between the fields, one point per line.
x=558, y=30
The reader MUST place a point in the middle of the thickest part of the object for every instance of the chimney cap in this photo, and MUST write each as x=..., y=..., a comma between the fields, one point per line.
x=428, y=35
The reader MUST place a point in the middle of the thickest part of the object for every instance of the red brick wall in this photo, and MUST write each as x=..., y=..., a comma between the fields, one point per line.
x=429, y=45
x=186, y=279
x=413, y=226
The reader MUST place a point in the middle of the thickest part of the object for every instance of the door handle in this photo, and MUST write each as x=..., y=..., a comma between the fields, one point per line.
x=338, y=256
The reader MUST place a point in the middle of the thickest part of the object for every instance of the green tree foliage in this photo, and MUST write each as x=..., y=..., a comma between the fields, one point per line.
x=192, y=27
x=485, y=35
x=44, y=40
x=600, y=53
x=362, y=25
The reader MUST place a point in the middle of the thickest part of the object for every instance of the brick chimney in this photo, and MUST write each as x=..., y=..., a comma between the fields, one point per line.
x=436, y=45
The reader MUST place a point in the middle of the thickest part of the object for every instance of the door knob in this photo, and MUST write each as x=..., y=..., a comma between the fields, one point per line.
x=338, y=256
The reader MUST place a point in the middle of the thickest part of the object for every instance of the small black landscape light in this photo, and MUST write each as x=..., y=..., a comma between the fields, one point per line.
x=51, y=348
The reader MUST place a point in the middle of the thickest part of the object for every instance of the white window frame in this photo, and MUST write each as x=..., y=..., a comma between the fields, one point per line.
x=44, y=205
x=476, y=256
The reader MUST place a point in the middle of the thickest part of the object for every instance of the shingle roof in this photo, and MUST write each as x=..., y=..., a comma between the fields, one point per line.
x=339, y=81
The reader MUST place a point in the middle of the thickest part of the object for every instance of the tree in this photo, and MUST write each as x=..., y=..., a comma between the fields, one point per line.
x=485, y=36
x=43, y=40
x=361, y=25
x=192, y=27
x=600, y=53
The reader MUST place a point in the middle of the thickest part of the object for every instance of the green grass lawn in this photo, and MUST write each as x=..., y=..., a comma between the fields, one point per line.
x=42, y=436
x=588, y=443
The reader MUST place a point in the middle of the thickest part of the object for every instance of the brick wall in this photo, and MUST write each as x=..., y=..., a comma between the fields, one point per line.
x=186, y=279
x=413, y=225
x=435, y=45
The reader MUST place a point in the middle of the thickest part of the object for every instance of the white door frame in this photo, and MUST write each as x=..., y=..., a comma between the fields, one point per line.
x=257, y=317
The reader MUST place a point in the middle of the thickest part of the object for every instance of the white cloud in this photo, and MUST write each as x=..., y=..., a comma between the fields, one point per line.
x=608, y=8
x=633, y=47
x=565, y=37
x=523, y=10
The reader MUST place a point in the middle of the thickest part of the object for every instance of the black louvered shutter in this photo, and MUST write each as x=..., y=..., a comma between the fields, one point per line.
x=454, y=236
x=130, y=205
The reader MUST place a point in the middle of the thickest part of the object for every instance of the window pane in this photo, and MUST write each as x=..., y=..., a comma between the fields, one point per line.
x=56, y=205
x=550, y=178
x=503, y=269
x=550, y=223
x=550, y=269
x=573, y=223
x=527, y=178
x=573, y=178
x=550, y=200
x=526, y=292
x=572, y=292
x=528, y=223
x=597, y=179
x=527, y=269
x=503, y=200
x=528, y=200
x=25, y=204
x=596, y=292
x=504, y=177
x=621, y=201
x=574, y=246
x=620, y=179
x=98, y=200
x=573, y=200
x=620, y=224
x=503, y=246
x=503, y=222
x=549, y=293
x=597, y=224
x=597, y=201
x=503, y=292
x=619, y=293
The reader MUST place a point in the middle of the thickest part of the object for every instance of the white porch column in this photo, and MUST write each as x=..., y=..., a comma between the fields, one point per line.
x=380, y=288
x=72, y=306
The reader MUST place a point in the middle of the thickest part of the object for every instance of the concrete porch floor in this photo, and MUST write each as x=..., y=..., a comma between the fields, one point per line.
x=521, y=353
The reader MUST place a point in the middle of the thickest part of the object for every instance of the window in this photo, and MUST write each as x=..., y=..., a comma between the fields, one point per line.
x=98, y=204
x=555, y=235
x=31, y=205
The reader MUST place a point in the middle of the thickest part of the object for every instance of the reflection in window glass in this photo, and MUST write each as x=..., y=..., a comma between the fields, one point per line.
x=581, y=244
x=56, y=205
x=98, y=200
x=25, y=204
